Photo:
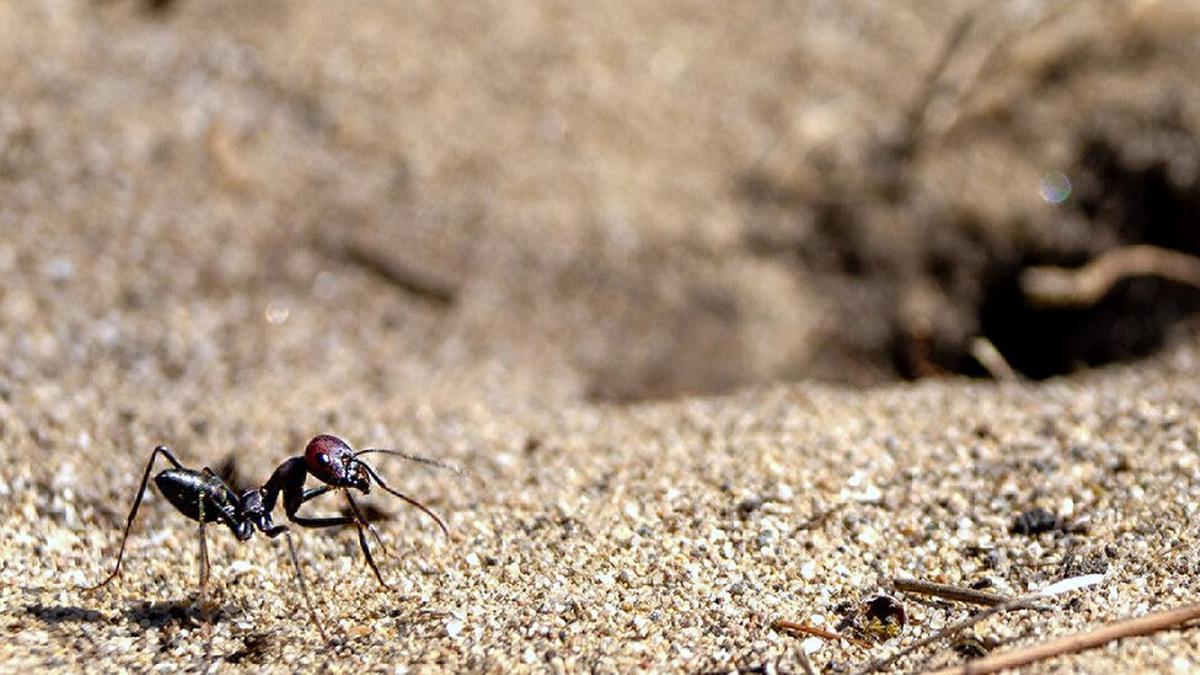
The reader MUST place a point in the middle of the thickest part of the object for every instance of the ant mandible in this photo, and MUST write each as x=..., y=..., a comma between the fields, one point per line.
x=203, y=497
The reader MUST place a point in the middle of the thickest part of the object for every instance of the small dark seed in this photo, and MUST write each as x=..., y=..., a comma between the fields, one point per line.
x=1034, y=521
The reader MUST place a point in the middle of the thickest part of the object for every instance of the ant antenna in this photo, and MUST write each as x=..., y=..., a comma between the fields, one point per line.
x=415, y=458
x=405, y=497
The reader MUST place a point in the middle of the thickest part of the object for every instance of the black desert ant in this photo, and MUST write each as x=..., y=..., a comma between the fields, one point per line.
x=203, y=497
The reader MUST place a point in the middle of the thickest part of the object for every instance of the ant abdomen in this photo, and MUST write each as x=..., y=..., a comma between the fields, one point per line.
x=182, y=486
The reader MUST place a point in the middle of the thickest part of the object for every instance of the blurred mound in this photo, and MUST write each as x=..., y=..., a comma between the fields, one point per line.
x=631, y=203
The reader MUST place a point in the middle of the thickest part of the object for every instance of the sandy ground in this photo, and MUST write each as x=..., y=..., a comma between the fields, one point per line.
x=229, y=227
x=664, y=536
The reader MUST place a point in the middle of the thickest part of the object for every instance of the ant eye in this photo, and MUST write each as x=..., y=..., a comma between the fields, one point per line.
x=323, y=458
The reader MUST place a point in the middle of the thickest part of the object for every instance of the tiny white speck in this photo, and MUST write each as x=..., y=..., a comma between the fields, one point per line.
x=868, y=536
x=277, y=312
x=240, y=567
x=808, y=570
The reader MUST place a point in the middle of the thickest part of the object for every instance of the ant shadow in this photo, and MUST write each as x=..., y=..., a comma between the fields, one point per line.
x=183, y=613
x=57, y=614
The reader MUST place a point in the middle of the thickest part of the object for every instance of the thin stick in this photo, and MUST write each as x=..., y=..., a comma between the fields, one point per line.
x=820, y=517
x=968, y=595
x=988, y=356
x=1151, y=623
x=915, y=119
x=780, y=624
x=983, y=78
x=392, y=270
x=1050, y=286
x=1161, y=556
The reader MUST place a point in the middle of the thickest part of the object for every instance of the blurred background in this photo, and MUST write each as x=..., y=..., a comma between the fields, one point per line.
x=609, y=201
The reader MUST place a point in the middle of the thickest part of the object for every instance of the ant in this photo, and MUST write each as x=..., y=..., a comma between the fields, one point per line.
x=203, y=497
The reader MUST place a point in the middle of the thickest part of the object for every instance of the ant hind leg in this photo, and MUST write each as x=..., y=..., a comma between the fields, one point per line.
x=312, y=613
x=133, y=511
x=205, y=609
x=204, y=567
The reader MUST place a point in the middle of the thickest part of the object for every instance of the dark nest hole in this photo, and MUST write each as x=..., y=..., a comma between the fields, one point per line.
x=1130, y=202
x=1134, y=183
x=1132, y=321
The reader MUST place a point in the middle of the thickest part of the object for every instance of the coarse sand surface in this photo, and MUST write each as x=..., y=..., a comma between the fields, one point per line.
x=661, y=536
x=664, y=536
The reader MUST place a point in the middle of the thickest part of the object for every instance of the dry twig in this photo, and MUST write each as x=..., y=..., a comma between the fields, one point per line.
x=1079, y=642
x=914, y=126
x=1051, y=286
x=820, y=517
x=780, y=624
x=417, y=282
x=988, y=356
x=948, y=592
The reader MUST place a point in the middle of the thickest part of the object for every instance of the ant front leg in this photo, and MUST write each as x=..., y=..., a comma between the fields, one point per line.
x=293, y=504
x=255, y=499
x=133, y=512
x=360, y=522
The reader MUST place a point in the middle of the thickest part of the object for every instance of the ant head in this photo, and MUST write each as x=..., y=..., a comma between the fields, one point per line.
x=331, y=460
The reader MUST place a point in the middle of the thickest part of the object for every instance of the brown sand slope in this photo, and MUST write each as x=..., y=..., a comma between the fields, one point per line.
x=228, y=227
x=667, y=535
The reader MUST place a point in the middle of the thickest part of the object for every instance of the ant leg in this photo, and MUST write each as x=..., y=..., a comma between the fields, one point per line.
x=359, y=520
x=313, y=493
x=226, y=513
x=332, y=521
x=312, y=613
x=203, y=562
x=292, y=503
x=317, y=521
x=203, y=555
x=133, y=512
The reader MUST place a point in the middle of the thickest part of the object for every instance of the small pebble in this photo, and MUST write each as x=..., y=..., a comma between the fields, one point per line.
x=1034, y=521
